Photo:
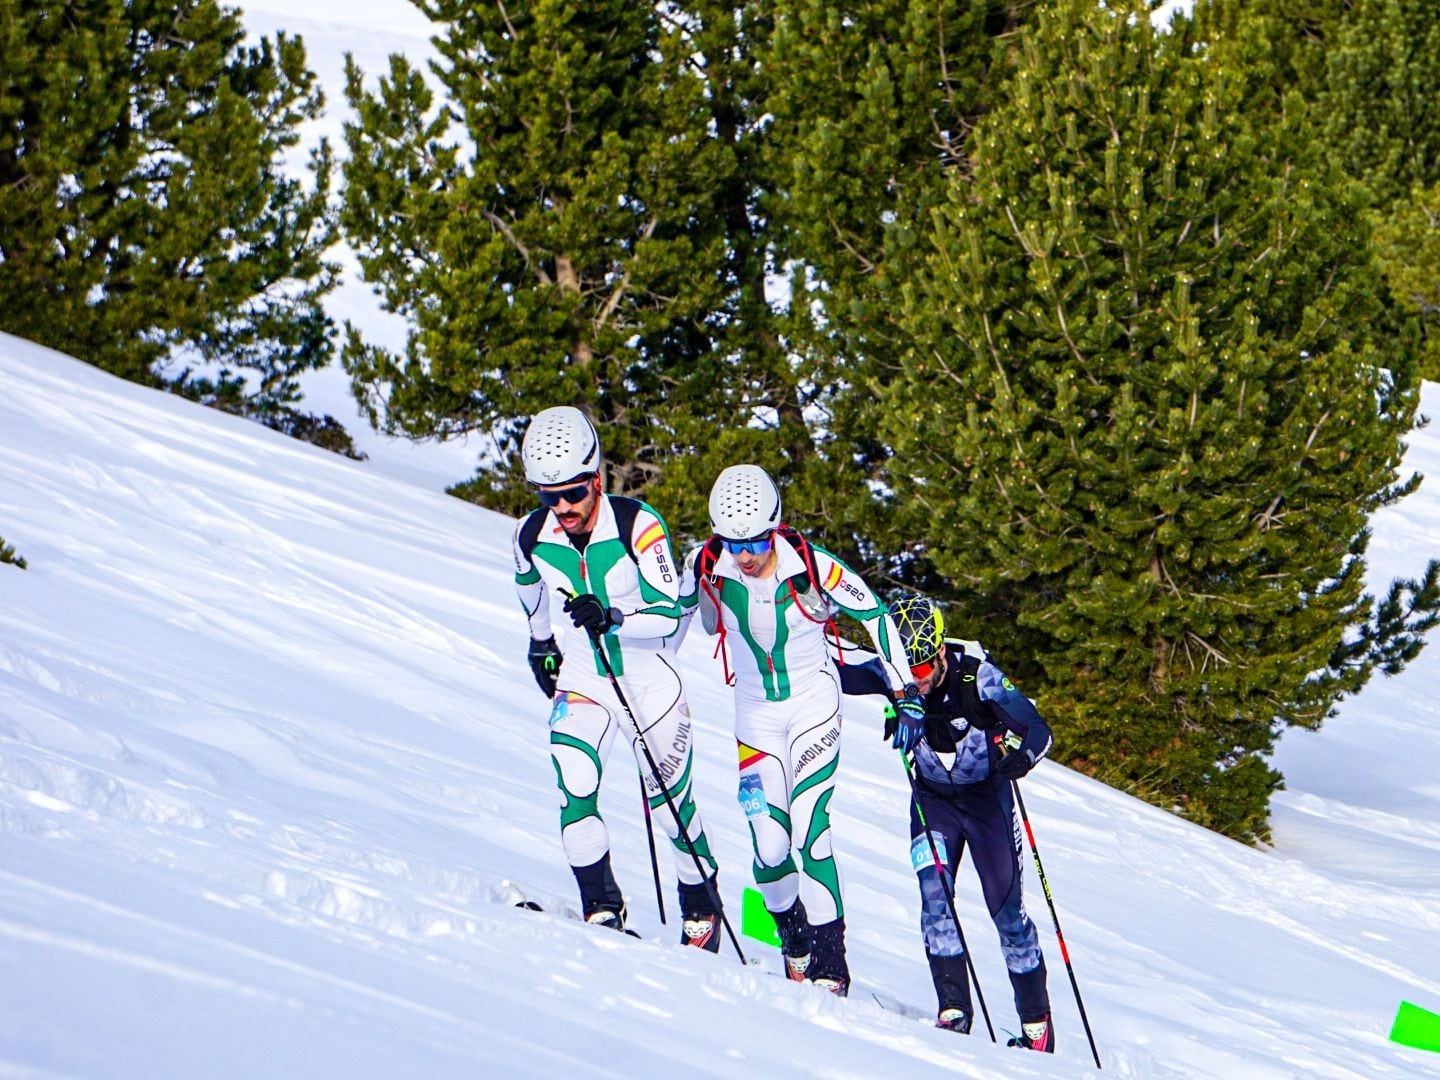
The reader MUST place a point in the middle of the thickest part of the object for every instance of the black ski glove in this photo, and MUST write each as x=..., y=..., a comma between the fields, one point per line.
x=589, y=614
x=909, y=713
x=1014, y=765
x=545, y=659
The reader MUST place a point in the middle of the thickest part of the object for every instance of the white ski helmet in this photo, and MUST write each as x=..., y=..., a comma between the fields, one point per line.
x=560, y=445
x=744, y=503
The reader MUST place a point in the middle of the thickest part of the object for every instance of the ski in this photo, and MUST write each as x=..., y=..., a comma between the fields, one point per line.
x=511, y=894
x=884, y=1001
x=899, y=1008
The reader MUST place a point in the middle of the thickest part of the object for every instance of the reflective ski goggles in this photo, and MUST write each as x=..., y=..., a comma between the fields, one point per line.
x=925, y=670
x=575, y=493
x=749, y=547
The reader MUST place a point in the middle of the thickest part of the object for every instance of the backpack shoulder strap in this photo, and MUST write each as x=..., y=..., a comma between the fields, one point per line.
x=705, y=581
x=626, y=510
x=804, y=550
x=530, y=532
x=706, y=560
x=825, y=614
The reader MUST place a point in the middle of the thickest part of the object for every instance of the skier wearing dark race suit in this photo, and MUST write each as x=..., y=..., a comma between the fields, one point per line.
x=610, y=558
x=963, y=777
x=774, y=596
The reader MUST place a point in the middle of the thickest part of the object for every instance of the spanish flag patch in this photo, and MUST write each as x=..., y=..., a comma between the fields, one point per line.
x=650, y=537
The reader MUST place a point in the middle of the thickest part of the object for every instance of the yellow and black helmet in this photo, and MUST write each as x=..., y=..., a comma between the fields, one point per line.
x=921, y=626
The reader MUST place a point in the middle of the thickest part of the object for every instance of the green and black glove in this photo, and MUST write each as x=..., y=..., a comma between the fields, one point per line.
x=545, y=659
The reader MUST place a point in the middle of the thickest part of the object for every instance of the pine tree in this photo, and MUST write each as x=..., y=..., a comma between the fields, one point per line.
x=1371, y=71
x=146, y=221
x=754, y=408
x=1149, y=408
x=1282, y=43
x=1382, y=85
x=1407, y=244
x=1381, y=96
x=577, y=255
x=871, y=103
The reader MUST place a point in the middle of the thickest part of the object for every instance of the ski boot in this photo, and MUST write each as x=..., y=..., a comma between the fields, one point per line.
x=828, y=969
x=1035, y=1035
x=954, y=1018
x=611, y=917
x=600, y=897
x=700, y=921
x=793, y=926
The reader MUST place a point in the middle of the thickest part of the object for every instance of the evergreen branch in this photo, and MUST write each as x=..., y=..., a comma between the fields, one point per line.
x=1219, y=657
x=1020, y=235
x=505, y=16
x=1309, y=442
x=995, y=354
x=866, y=266
x=1065, y=332
x=1263, y=523
x=501, y=227
x=1165, y=575
x=619, y=291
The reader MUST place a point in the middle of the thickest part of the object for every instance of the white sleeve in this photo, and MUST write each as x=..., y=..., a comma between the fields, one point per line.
x=530, y=588
x=850, y=593
x=691, y=598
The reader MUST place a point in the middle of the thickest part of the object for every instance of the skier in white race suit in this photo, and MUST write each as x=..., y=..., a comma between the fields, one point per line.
x=772, y=596
x=610, y=558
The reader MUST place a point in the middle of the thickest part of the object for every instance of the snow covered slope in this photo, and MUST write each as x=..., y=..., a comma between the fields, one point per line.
x=269, y=751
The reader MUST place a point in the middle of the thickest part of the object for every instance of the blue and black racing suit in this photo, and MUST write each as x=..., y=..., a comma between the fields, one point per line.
x=965, y=801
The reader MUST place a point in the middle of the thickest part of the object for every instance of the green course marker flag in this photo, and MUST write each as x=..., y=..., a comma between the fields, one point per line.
x=755, y=921
x=1416, y=1027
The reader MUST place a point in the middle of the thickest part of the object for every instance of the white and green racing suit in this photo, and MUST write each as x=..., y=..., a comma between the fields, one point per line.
x=787, y=707
x=627, y=562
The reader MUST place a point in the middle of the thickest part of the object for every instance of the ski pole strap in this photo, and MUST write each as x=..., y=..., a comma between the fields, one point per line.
x=706, y=581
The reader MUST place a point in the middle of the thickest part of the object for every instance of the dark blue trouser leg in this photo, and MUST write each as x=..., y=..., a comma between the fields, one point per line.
x=983, y=818
x=996, y=850
x=942, y=937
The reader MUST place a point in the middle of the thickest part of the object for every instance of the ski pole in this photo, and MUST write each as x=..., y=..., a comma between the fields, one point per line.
x=1059, y=936
x=660, y=780
x=654, y=862
x=949, y=892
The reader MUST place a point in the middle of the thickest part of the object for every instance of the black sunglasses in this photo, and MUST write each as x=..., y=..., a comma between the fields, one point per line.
x=575, y=493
